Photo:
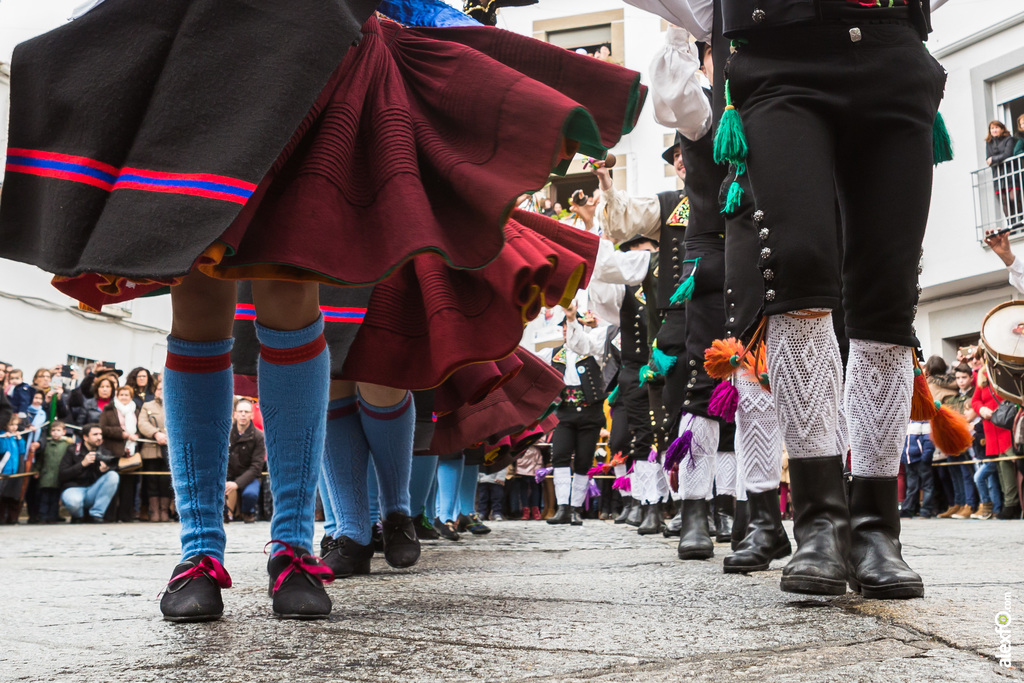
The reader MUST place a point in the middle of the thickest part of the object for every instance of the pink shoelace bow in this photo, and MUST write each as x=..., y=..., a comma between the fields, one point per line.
x=307, y=564
x=208, y=566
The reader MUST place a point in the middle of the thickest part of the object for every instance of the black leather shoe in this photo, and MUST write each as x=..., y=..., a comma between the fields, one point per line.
x=723, y=518
x=193, y=593
x=626, y=509
x=377, y=537
x=563, y=515
x=297, y=581
x=694, y=538
x=877, y=568
x=636, y=514
x=425, y=530
x=347, y=558
x=673, y=525
x=739, y=524
x=766, y=539
x=653, y=520
x=577, y=517
x=821, y=524
x=1009, y=512
x=475, y=526
x=446, y=530
x=401, y=546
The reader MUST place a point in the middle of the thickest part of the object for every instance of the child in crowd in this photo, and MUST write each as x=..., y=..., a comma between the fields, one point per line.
x=529, y=489
x=490, y=492
x=12, y=458
x=47, y=472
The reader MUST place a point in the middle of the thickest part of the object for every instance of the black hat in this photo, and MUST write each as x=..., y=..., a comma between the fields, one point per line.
x=633, y=241
x=669, y=154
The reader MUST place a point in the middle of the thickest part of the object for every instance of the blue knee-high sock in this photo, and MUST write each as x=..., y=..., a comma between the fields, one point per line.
x=467, y=489
x=430, y=508
x=294, y=376
x=197, y=403
x=389, y=431
x=373, y=490
x=346, y=456
x=330, y=524
x=421, y=478
x=449, y=476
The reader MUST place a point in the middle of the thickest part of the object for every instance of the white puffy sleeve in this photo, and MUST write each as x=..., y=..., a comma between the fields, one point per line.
x=679, y=99
x=693, y=15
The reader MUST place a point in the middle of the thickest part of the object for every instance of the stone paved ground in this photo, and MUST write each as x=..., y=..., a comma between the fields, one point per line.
x=528, y=601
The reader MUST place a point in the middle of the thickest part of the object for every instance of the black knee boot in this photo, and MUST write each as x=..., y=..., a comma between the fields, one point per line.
x=563, y=515
x=724, y=507
x=876, y=561
x=821, y=524
x=627, y=508
x=637, y=514
x=694, y=538
x=739, y=523
x=673, y=525
x=766, y=539
x=652, y=520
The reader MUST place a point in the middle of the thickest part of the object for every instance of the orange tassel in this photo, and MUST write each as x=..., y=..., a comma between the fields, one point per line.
x=724, y=356
x=950, y=432
x=922, y=405
x=618, y=459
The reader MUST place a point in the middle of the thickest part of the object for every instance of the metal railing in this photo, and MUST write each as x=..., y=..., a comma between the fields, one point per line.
x=999, y=197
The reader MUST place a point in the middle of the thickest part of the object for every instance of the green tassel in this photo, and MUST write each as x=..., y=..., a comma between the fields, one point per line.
x=647, y=375
x=942, y=146
x=662, y=362
x=614, y=396
x=684, y=292
x=730, y=142
x=732, y=200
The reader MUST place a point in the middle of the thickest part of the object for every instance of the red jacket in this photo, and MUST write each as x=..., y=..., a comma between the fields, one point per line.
x=997, y=440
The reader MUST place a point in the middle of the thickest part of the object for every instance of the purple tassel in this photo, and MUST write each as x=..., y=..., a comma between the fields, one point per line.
x=724, y=400
x=653, y=455
x=595, y=470
x=622, y=484
x=678, y=450
x=541, y=473
x=592, y=492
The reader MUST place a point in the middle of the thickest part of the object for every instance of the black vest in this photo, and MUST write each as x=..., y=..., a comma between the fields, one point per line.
x=703, y=182
x=747, y=17
x=591, y=380
x=633, y=326
x=675, y=216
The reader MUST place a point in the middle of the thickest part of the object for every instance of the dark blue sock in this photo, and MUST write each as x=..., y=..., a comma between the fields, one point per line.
x=467, y=489
x=421, y=479
x=197, y=404
x=449, y=476
x=389, y=431
x=346, y=456
x=294, y=376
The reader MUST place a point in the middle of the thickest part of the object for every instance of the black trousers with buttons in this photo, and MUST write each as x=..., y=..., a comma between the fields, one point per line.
x=578, y=431
x=840, y=113
x=636, y=400
x=705, y=322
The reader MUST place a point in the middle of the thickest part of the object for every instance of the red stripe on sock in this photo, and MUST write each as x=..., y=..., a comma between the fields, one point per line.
x=343, y=411
x=297, y=354
x=198, y=364
x=389, y=415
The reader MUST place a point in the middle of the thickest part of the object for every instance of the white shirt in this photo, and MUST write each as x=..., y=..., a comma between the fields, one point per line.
x=693, y=15
x=1016, y=271
x=676, y=88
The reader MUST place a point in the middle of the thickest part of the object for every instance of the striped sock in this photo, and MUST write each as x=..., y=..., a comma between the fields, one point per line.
x=197, y=402
x=389, y=431
x=294, y=376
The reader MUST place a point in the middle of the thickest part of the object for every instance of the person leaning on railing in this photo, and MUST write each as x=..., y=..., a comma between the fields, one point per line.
x=1000, y=146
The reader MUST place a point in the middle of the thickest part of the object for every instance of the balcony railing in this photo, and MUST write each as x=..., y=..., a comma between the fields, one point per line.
x=999, y=197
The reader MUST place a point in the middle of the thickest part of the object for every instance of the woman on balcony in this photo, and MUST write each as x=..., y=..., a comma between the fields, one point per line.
x=999, y=146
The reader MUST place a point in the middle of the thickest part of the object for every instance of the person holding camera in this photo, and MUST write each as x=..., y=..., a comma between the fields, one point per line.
x=88, y=478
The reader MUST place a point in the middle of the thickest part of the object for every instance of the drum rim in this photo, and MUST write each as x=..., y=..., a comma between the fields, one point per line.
x=1004, y=357
x=998, y=390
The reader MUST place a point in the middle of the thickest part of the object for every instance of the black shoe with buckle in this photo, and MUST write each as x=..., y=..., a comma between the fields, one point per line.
x=401, y=546
x=193, y=593
x=446, y=530
x=347, y=558
x=297, y=581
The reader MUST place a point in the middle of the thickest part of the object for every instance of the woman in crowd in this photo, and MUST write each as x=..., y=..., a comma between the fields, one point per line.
x=142, y=384
x=53, y=396
x=156, y=488
x=998, y=441
x=999, y=146
x=103, y=393
x=120, y=432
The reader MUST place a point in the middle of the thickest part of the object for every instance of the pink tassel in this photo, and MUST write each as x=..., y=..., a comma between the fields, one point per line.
x=595, y=470
x=653, y=455
x=622, y=484
x=724, y=400
x=678, y=450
